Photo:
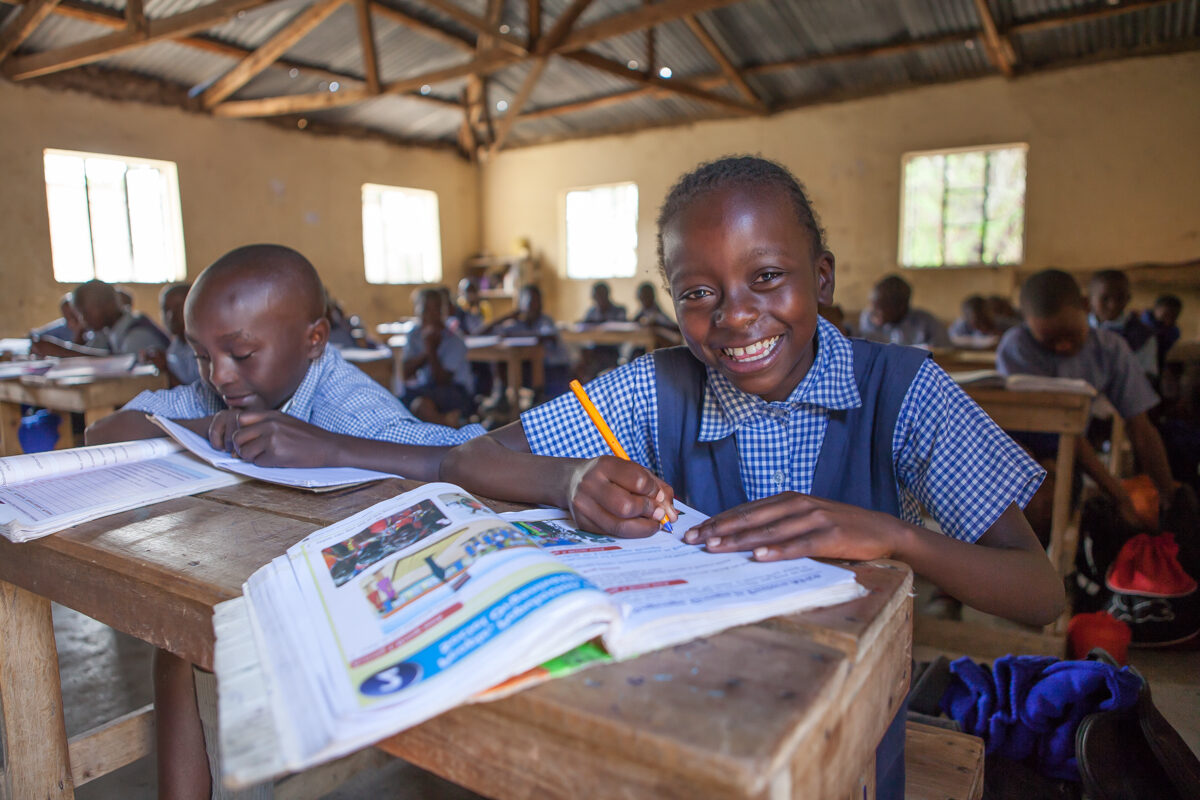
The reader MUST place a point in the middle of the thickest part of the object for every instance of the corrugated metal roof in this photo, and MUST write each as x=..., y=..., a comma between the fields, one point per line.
x=752, y=33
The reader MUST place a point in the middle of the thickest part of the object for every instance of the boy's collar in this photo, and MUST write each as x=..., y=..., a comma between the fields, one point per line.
x=299, y=405
x=829, y=384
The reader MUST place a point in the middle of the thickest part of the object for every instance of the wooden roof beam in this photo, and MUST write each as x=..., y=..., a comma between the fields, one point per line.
x=731, y=72
x=999, y=48
x=299, y=27
x=1072, y=17
x=533, y=15
x=27, y=20
x=639, y=19
x=479, y=26
x=135, y=15
x=435, y=32
x=173, y=27
x=366, y=36
x=318, y=101
x=590, y=103
x=678, y=87
x=562, y=26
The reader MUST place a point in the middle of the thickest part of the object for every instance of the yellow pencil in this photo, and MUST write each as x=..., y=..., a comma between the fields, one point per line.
x=605, y=431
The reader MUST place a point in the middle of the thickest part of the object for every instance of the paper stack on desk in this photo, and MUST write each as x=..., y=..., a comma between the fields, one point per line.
x=428, y=600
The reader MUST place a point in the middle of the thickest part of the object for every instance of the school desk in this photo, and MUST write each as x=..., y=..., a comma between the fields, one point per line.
x=496, y=350
x=1062, y=413
x=790, y=708
x=591, y=335
x=960, y=360
x=94, y=399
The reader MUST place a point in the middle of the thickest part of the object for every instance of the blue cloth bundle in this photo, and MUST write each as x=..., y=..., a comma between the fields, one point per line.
x=1029, y=706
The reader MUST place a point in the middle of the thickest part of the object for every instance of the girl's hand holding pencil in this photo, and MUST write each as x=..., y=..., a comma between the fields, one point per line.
x=615, y=495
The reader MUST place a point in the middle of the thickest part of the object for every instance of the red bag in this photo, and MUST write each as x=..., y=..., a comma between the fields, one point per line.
x=1149, y=566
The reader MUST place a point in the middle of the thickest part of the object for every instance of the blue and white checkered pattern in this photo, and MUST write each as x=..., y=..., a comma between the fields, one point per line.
x=947, y=453
x=334, y=395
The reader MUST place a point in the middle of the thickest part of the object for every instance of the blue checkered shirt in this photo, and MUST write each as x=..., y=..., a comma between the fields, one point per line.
x=334, y=395
x=948, y=455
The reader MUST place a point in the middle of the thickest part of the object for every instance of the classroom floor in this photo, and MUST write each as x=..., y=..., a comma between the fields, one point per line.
x=106, y=674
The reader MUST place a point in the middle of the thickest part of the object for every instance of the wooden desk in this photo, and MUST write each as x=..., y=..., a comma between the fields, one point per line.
x=512, y=355
x=960, y=360
x=790, y=708
x=642, y=337
x=95, y=400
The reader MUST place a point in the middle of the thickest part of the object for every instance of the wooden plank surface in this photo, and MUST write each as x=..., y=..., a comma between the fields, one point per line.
x=113, y=745
x=942, y=765
x=79, y=398
x=1047, y=412
x=33, y=734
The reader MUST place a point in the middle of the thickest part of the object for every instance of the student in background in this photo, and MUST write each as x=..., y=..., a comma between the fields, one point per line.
x=67, y=329
x=799, y=441
x=599, y=357
x=177, y=361
x=476, y=311
x=1108, y=298
x=272, y=392
x=527, y=319
x=975, y=328
x=115, y=330
x=1004, y=316
x=1161, y=319
x=889, y=317
x=1056, y=340
x=436, y=358
x=651, y=315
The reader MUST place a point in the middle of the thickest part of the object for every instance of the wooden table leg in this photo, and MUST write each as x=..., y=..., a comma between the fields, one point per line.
x=36, y=760
x=66, y=431
x=1062, y=552
x=537, y=376
x=514, y=380
x=10, y=421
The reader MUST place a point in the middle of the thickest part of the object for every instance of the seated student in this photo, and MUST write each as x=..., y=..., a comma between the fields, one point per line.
x=1004, y=316
x=975, y=328
x=651, y=315
x=275, y=394
x=834, y=442
x=1161, y=319
x=68, y=329
x=1108, y=296
x=527, y=319
x=476, y=312
x=889, y=317
x=435, y=360
x=598, y=357
x=1055, y=340
x=177, y=361
x=115, y=330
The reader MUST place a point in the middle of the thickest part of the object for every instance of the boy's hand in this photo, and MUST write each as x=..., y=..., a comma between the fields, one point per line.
x=274, y=439
x=793, y=525
x=619, y=498
x=221, y=428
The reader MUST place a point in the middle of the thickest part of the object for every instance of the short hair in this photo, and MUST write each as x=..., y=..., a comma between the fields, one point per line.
x=1109, y=276
x=975, y=303
x=1045, y=293
x=1170, y=301
x=273, y=263
x=94, y=291
x=894, y=287
x=601, y=285
x=434, y=292
x=172, y=288
x=740, y=171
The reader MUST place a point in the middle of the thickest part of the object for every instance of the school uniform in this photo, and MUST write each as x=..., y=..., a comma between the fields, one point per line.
x=878, y=426
x=57, y=329
x=334, y=395
x=181, y=361
x=452, y=353
x=917, y=327
x=131, y=333
x=1137, y=335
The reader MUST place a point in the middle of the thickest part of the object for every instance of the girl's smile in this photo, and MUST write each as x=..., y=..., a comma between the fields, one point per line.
x=746, y=282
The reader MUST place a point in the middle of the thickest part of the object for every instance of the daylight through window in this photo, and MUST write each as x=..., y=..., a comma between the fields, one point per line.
x=402, y=241
x=964, y=207
x=113, y=218
x=602, y=231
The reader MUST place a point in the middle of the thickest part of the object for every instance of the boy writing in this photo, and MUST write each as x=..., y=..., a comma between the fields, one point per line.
x=797, y=440
x=275, y=394
x=1056, y=340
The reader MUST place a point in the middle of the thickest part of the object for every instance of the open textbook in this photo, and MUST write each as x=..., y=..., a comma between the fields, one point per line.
x=41, y=493
x=429, y=600
x=991, y=379
x=316, y=479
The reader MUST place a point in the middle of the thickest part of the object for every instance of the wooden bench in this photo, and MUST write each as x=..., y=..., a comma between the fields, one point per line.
x=941, y=764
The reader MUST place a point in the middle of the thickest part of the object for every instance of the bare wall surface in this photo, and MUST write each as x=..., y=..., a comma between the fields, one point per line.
x=1113, y=176
x=240, y=182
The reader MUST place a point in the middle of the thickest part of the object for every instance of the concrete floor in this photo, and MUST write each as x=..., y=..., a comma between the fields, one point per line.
x=106, y=674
